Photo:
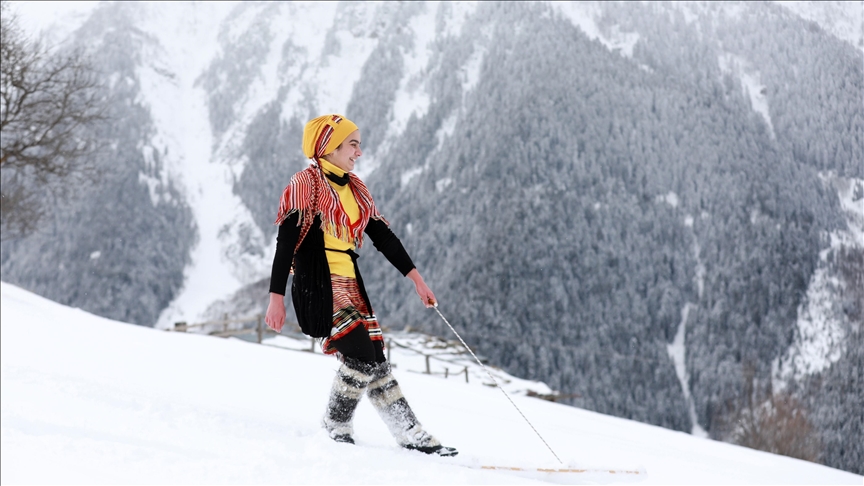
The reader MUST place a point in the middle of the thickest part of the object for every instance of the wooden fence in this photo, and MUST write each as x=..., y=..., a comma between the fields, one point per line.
x=226, y=327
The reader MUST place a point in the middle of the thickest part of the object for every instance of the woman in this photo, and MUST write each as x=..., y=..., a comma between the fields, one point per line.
x=322, y=217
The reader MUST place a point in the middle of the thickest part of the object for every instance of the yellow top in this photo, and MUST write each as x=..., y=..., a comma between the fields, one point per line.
x=341, y=263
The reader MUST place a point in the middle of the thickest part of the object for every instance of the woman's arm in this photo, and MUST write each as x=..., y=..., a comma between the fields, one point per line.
x=286, y=241
x=426, y=295
x=391, y=247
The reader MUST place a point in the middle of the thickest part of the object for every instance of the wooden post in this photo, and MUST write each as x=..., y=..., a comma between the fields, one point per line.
x=180, y=326
x=466, y=374
x=446, y=372
x=312, y=348
x=260, y=328
x=427, y=365
x=225, y=322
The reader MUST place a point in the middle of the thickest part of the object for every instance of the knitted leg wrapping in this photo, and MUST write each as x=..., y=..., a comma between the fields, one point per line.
x=348, y=386
x=387, y=398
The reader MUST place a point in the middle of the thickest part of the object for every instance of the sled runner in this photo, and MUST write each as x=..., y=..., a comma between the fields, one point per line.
x=565, y=470
x=574, y=475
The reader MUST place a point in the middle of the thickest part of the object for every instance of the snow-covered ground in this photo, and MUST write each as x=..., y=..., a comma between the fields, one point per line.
x=90, y=400
x=842, y=19
x=820, y=339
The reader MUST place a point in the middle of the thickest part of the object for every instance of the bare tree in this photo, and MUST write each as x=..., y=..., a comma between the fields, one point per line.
x=769, y=420
x=47, y=102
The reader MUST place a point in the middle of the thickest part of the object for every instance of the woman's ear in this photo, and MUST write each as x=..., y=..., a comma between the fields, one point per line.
x=327, y=157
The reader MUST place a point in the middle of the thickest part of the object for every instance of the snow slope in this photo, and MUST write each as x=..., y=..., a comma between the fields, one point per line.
x=184, y=140
x=842, y=19
x=89, y=400
x=820, y=339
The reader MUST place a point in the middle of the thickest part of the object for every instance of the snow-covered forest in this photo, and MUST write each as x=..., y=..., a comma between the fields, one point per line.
x=657, y=208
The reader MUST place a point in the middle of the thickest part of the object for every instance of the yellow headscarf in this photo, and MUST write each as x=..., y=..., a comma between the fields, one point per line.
x=323, y=134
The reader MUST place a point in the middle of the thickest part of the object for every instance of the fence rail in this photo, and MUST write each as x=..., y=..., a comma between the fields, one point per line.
x=226, y=328
x=223, y=328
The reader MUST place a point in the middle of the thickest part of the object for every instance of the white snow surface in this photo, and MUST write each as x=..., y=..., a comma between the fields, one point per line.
x=751, y=83
x=677, y=350
x=583, y=15
x=53, y=21
x=669, y=198
x=412, y=97
x=178, y=52
x=842, y=19
x=459, y=13
x=90, y=400
x=820, y=339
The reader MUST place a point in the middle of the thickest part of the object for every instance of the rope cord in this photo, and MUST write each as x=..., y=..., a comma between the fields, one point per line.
x=496, y=384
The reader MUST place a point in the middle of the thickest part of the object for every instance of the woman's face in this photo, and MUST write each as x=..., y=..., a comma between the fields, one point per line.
x=347, y=154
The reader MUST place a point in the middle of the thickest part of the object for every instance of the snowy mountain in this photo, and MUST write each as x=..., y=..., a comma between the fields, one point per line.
x=652, y=206
x=87, y=399
x=843, y=19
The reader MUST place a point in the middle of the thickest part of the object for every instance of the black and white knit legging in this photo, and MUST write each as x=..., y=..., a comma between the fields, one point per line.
x=356, y=377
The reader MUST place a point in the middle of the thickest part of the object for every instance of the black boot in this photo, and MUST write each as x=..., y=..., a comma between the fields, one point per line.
x=348, y=386
x=344, y=438
x=439, y=450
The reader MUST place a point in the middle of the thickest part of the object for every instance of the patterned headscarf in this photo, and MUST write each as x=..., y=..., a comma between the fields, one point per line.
x=323, y=134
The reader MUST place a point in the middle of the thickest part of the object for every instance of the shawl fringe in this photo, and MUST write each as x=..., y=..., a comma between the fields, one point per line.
x=310, y=194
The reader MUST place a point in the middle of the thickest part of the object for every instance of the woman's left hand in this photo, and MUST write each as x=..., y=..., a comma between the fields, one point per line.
x=426, y=296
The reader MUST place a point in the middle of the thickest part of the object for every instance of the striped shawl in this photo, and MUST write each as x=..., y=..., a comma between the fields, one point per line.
x=310, y=194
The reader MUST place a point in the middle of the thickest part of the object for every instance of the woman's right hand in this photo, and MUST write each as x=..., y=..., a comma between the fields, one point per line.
x=275, y=317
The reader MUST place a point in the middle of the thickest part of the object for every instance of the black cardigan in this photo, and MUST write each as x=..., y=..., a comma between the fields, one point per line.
x=312, y=292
